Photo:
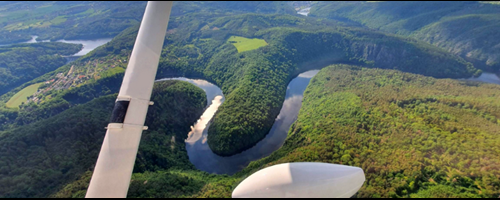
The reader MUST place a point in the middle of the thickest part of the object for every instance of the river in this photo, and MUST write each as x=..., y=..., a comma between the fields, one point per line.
x=487, y=78
x=304, y=11
x=88, y=45
x=197, y=147
x=202, y=157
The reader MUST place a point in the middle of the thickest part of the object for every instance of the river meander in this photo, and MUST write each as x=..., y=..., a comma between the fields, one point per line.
x=204, y=159
x=197, y=147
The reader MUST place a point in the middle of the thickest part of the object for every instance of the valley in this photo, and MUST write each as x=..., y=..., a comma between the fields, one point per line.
x=245, y=85
x=468, y=29
x=75, y=76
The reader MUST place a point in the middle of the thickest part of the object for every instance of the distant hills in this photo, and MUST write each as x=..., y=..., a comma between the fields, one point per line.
x=387, y=105
x=23, y=62
x=470, y=29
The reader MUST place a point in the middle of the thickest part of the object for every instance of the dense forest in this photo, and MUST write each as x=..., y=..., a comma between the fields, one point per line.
x=37, y=159
x=254, y=82
x=413, y=136
x=466, y=28
x=99, y=19
x=23, y=62
x=66, y=20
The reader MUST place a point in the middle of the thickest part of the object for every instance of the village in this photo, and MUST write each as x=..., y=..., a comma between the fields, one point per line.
x=77, y=75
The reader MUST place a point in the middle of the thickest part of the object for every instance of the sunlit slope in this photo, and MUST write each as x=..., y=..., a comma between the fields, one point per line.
x=246, y=44
x=414, y=136
x=40, y=158
x=22, y=95
x=260, y=75
x=24, y=62
x=254, y=82
x=77, y=20
x=468, y=29
x=66, y=20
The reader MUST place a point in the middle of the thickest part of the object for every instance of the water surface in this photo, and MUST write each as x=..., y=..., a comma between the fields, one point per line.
x=487, y=78
x=88, y=45
x=304, y=11
x=197, y=147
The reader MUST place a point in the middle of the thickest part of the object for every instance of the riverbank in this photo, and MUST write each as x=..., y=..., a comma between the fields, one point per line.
x=200, y=154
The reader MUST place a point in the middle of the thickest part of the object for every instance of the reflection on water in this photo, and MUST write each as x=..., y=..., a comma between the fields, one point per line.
x=88, y=45
x=487, y=77
x=202, y=156
x=33, y=39
x=304, y=11
x=210, y=89
x=196, y=131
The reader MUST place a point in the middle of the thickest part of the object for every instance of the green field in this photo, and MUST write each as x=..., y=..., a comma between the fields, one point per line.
x=22, y=95
x=246, y=44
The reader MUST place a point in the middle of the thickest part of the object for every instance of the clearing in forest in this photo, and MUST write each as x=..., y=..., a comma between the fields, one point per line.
x=22, y=96
x=246, y=44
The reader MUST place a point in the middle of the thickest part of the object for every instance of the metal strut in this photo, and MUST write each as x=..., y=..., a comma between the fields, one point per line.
x=112, y=173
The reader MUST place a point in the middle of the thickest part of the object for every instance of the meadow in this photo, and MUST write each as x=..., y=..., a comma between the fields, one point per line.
x=21, y=96
x=246, y=44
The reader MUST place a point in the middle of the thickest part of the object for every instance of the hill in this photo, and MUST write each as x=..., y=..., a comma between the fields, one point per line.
x=66, y=20
x=99, y=19
x=413, y=136
x=468, y=29
x=21, y=63
x=254, y=81
x=39, y=158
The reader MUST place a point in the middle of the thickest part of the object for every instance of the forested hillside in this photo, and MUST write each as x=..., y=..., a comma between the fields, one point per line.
x=466, y=28
x=100, y=19
x=97, y=15
x=66, y=20
x=23, y=62
x=254, y=82
x=39, y=158
x=413, y=136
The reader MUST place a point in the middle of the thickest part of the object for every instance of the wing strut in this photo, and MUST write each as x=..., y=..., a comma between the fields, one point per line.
x=112, y=173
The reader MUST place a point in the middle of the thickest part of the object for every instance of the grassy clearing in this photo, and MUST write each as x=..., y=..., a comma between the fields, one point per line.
x=112, y=71
x=246, y=44
x=58, y=20
x=22, y=95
